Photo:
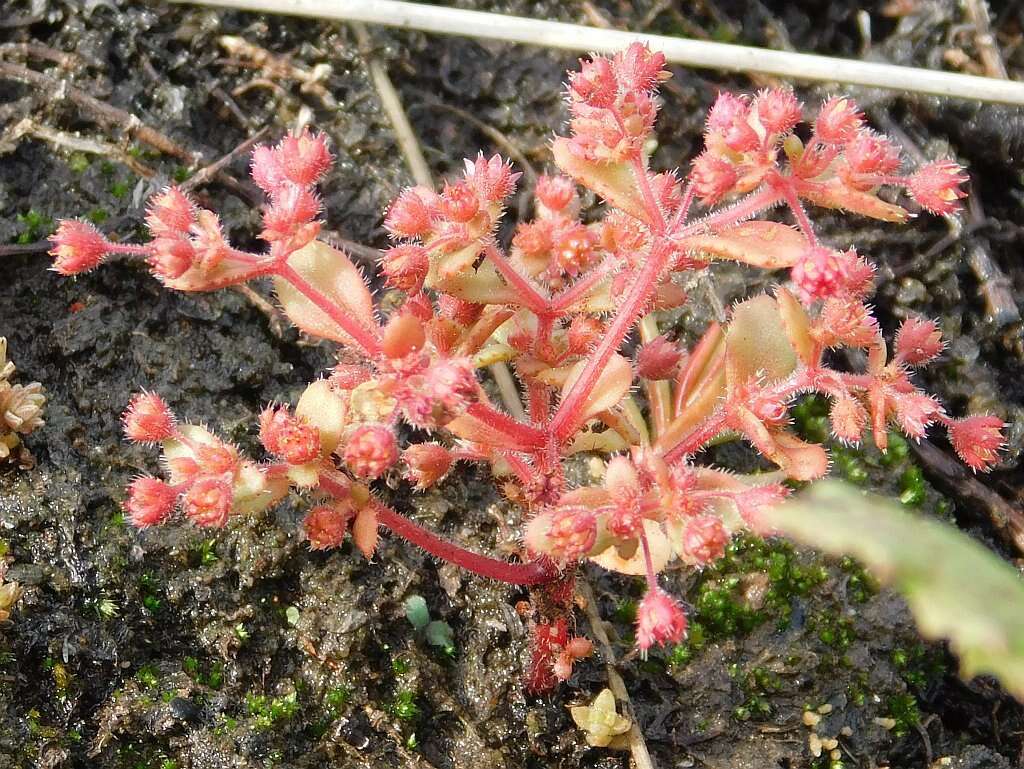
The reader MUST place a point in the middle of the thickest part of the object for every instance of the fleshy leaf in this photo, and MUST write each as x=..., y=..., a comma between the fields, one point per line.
x=956, y=588
x=757, y=343
x=769, y=245
x=612, y=385
x=331, y=273
x=612, y=181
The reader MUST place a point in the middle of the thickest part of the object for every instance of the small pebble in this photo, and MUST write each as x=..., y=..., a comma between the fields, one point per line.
x=886, y=723
x=825, y=709
x=814, y=744
x=811, y=718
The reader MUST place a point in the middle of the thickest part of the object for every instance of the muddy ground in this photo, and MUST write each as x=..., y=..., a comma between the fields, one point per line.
x=173, y=648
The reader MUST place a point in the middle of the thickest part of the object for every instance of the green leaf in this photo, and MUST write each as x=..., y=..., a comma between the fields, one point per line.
x=956, y=588
x=440, y=633
x=416, y=611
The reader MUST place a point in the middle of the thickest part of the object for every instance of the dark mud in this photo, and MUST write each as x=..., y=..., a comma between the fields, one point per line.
x=175, y=649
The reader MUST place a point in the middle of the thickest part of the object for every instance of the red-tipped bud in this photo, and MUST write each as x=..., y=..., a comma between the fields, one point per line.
x=170, y=214
x=595, y=83
x=405, y=266
x=266, y=169
x=778, y=110
x=77, y=247
x=639, y=68
x=918, y=341
x=410, y=215
x=573, y=250
x=658, y=359
x=849, y=418
x=819, y=274
x=977, y=440
x=208, y=502
x=915, y=411
x=150, y=501
x=171, y=257
x=705, y=538
x=727, y=110
x=838, y=121
x=148, y=419
x=713, y=177
x=936, y=186
x=289, y=437
x=555, y=192
x=534, y=238
x=216, y=458
x=304, y=158
x=426, y=463
x=292, y=206
x=659, y=620
x=460, y=202
x=870, y=153
x=370, y=451
x=492, y=177
x=571, y=534
x=325, y=525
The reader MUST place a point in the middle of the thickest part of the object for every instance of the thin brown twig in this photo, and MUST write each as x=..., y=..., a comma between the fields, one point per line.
x=28, y=127
x=637, y=745
x=103, y=113
x=984, y=40
x=205, y=174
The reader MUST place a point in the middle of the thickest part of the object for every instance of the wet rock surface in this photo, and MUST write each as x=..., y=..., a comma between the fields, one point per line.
x=178, y=648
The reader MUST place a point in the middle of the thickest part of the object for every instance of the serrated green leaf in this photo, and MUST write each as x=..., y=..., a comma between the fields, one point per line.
x=956, y=588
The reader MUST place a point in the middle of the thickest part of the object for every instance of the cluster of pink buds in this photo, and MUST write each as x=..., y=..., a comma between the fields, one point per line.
x=557, y=302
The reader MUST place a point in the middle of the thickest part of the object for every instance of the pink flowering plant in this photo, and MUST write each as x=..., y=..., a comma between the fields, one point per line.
x=558, y=303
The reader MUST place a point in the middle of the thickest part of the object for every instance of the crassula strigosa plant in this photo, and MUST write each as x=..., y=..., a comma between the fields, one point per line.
x=558, y=303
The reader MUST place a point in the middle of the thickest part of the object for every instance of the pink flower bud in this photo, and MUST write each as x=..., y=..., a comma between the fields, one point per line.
x=170, y=214
x=150, y=501
x=849, y=418
x=870, y=153
x=915, y=411
x=405, y=266
x=292, y=206
x=819, y=274
x=705, y=538
x=171, y=257
x=838, y=121
x=208, y=502
x=639, y=68
x=571, y=533
x=778, y=110
x=325, y=525
x=658, y=359
x=289, y=437
x=148, y=419
x=77, y=247
x=459, y=202
x=584, y=332
x=492, y=177
x=555, y=193
x=410, y=215
x=713, y=177
x=573, y=249
x=216, y=458
x=918, y=341
x=727, y=110
x=936, y=186
x=659, y=620
x=305, y=158
x=426, y=463
x=977, y=440
x=595, y=83
x=266, y=169
x=370, y=451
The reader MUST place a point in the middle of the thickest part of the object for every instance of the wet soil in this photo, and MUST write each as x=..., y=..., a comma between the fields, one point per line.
x=174, y=648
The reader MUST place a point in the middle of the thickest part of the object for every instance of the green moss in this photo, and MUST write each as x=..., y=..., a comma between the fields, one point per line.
x=148, y=676
x=404, y=706
x=902, y=708
x=268, y=711
x=34, y=226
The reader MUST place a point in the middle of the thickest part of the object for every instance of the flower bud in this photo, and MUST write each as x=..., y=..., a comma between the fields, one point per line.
x=77, y=247
x=208, y=502
x=325, y=525
x=555, y=193
x=426, y=463
x=778, y=110
x=289, y=437
x=977, y=440
x=266, y=169
x=849, y=418
x=404, y=334
x=459, y=202
x=705, y=538
x=410, y=214
x=713, y=177
x=659, y=620
x=304, y=158
x=838, y=121
x=639, y=68
x=595, y=83
x=936, y=186
x=148, y=419
x=918, y=341
x=171, y=257
x=150, y=501
x=405, y=267
x=370, y=451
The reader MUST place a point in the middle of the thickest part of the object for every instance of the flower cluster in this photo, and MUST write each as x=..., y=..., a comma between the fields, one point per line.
x=557, y=302
x=21, y=407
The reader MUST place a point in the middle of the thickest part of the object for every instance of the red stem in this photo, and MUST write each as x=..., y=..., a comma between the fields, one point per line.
x=532, y=299
x=533, y=573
